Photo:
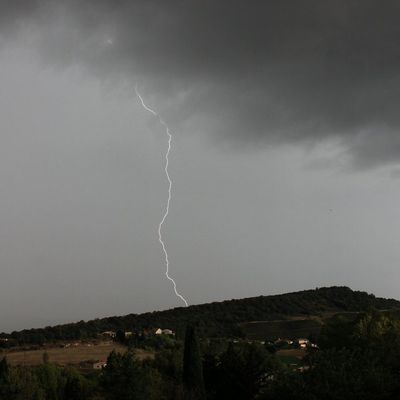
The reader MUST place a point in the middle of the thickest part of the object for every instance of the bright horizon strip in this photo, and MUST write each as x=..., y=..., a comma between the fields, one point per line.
x=160, y=238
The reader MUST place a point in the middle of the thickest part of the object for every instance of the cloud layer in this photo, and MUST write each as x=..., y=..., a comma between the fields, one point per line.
x=252, y=73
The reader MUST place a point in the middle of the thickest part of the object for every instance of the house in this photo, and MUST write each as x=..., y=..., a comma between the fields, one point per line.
x=110, y=334
x=168, y=332
x=303, y=343
x=99, y=365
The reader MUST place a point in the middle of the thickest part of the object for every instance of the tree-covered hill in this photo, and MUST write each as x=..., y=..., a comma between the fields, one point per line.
x=219, y=319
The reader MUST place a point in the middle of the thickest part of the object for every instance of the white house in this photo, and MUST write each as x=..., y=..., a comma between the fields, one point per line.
x=110, y=334
x=99, y=364
x=160, y=331
x=303, y=343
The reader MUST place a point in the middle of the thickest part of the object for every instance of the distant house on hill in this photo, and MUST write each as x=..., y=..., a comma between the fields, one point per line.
x=99, y=364
x=303, y=343
x=160, y=331
x=110, y=334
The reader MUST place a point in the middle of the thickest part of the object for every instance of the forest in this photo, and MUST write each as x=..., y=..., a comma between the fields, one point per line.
x=217, y=319
x=355, y=359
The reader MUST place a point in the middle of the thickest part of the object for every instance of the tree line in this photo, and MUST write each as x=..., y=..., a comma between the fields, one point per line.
x=357, y=359
x=218, y=319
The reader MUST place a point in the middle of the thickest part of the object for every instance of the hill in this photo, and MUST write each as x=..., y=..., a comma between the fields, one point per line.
x=289, y=329
x=221, y=319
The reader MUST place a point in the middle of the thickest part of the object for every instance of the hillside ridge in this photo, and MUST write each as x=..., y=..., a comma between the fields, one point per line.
x=217, y=319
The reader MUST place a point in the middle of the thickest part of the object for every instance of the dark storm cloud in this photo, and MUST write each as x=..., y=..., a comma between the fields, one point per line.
x=251, y=72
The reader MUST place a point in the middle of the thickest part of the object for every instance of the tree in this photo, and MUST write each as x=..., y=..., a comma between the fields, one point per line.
x=244, y=370
x=192, y=367
x=379, y=333
x=120, y=336
x=49, y=379
x=124, y=378
x=4, y=370
x=359, y=359
x=5, y=387
x=337, y=333
x=211, y=374
x=348, y=374
x=76, y=386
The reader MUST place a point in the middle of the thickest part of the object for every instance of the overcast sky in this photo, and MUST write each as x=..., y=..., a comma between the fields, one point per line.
x=285, y=155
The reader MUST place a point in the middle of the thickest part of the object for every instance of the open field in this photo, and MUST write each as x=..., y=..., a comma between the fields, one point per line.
x=298, y=326
x=290, y=329
x=297, y=353
x=74, y=354
x=291, y=356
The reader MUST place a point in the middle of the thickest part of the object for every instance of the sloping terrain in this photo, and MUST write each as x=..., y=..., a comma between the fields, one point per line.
x=287, y=329
x=221, y=319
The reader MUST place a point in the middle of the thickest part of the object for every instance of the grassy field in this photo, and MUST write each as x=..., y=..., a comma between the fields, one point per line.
x=74, y=354
x=291, y=356
x=288, y=329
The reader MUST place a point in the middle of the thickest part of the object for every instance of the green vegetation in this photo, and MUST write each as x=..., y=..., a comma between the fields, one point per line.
x=291, y=329
x=289, y=360
x=358, y=358
x=219, y=319
x=193, y=383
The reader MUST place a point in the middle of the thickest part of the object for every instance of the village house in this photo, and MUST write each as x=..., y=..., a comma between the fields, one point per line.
x=99, y=364
x=160, y=331
x=110, y=334
x=303, y=343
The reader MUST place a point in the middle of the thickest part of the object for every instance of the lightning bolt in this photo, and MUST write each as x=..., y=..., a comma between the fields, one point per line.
x=160, y=237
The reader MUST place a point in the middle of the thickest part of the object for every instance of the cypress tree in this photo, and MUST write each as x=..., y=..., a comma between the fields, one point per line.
x=5, y=385
x=4, y=370
x=193, y=382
